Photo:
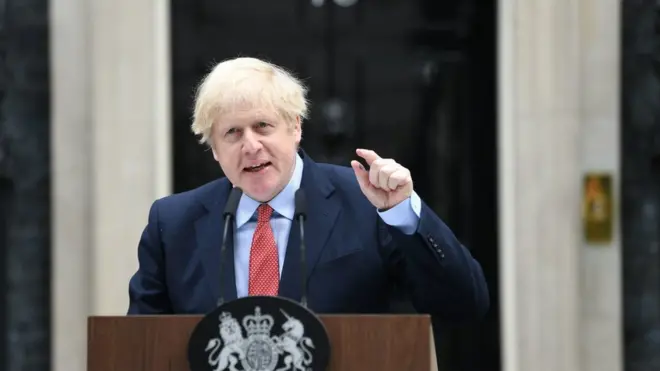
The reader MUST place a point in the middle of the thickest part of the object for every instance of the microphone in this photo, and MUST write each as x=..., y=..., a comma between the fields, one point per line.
x=228, y=215
x=301, y=215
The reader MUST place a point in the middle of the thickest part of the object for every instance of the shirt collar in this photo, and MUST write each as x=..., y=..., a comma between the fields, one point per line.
x=283, y=203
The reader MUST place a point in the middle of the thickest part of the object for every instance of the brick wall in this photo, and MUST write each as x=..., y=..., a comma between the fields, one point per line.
x=24, y=181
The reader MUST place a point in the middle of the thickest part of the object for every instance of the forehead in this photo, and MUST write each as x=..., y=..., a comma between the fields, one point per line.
x=246, y=116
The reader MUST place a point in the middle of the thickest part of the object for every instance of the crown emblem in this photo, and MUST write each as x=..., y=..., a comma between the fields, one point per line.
x=258, y=324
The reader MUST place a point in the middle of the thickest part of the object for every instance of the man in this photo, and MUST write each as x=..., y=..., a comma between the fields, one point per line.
x=367, y=231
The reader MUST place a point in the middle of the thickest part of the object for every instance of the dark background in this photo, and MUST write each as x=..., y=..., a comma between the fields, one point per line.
x=413, y=80
x=24, y=186
x=640, y=98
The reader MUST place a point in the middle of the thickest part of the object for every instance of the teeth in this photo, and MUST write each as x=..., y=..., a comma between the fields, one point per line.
x=256, y=166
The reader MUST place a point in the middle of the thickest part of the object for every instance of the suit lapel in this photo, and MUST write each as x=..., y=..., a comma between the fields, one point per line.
x=322, y=208
x=209, y=230
x=322, y=213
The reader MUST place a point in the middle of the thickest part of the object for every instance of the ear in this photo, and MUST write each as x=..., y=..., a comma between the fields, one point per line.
x=297, y=130
x=215, y=154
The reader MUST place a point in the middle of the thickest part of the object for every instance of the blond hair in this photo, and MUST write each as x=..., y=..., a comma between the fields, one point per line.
x=247, y=83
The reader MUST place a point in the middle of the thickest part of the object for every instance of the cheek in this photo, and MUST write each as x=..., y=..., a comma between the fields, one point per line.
x=228, y=158
x=285, y=146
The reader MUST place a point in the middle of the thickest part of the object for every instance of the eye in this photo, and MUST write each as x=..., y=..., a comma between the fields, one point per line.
x=262, y=125
x=231, y=131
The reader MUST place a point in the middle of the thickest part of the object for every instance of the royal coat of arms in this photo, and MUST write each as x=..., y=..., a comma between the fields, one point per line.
x=259, y=350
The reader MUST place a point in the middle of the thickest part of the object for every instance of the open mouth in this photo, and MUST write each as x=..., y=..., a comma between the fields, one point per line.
x=257, y=168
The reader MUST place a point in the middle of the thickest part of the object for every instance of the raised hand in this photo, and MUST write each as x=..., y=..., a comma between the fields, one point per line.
x=386, y=184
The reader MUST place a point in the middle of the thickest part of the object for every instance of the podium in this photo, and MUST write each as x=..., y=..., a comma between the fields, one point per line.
x=358, y=342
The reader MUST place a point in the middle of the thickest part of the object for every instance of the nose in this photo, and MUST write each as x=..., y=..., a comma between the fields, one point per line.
x=251, y=143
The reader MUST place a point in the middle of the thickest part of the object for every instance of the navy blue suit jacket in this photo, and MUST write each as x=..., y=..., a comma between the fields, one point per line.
x=353, y=258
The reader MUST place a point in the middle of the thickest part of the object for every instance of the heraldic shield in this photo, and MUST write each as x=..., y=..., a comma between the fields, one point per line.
x=259, y=333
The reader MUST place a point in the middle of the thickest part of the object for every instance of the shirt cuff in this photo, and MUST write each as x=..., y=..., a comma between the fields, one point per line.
x=404, y=216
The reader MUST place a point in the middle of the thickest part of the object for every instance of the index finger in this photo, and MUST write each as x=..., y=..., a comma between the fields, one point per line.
x=368, y=155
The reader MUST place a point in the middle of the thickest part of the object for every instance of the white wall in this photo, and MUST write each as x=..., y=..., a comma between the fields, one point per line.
x=601, y=284
x=111, y=155
x=559, y=103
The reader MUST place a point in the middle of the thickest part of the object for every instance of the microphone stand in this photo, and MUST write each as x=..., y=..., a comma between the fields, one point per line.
x=228, y=218
x=301, y=215
x=303, y=261
x=229, y=215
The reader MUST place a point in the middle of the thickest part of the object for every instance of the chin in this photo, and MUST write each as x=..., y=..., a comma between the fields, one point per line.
x=260, y=193
x=262, y=186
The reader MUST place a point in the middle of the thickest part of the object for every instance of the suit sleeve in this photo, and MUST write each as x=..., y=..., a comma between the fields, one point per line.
x=147, y=289
x=439, y=274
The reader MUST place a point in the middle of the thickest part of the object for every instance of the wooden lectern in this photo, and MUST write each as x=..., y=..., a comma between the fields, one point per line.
x=359, y=342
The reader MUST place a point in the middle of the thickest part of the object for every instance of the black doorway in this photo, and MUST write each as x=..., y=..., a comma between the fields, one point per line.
x=412, y=79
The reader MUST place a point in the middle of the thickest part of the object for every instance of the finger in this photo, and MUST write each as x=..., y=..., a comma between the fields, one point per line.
x=376, y=168
x=399, y=178
x=385, y=173
x=361, y=174
x=368, y=155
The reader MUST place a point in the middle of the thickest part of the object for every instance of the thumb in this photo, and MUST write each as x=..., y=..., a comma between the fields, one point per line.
x=361, y=174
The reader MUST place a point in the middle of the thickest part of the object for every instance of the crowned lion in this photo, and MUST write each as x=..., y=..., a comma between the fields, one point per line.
x=230, y=332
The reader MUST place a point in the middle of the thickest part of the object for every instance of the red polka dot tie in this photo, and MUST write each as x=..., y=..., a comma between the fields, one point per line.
x=264, y=264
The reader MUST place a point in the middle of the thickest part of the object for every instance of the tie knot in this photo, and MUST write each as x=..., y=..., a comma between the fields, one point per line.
x=264, y=212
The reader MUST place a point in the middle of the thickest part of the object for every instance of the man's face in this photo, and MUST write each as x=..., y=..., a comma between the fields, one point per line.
x=256, y=150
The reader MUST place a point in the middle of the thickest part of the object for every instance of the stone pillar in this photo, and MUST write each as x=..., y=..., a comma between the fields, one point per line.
x=539, y=172
x=110, y=151
x=558, y=91
x=600, y=264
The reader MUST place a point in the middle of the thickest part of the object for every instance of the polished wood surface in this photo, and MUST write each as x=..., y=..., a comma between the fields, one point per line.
x=359, y=342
